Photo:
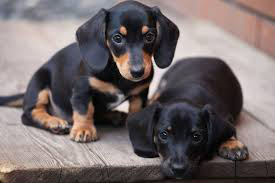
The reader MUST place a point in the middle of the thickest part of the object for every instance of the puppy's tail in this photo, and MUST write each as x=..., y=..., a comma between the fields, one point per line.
x=12, y=101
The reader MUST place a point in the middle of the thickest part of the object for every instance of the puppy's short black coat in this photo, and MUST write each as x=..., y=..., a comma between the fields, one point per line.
x=190, y=117
x=110, y=63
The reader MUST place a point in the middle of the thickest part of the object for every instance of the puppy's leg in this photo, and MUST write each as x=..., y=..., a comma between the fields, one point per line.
x=233, y=149
x=36, y=103
x=83, y=129
x=137, y=102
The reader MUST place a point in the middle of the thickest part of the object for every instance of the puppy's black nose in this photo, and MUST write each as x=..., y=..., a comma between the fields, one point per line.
x=137, y=72
x=178, y=169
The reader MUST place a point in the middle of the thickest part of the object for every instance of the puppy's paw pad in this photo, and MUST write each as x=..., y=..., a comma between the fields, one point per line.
x=233, y=150
x=83, y=134
x=58, y=126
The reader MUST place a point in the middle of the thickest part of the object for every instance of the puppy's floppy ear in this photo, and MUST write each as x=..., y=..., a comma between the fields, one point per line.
x=219, y=130
x=141, y=130
x=167, y=38
x=92, y=42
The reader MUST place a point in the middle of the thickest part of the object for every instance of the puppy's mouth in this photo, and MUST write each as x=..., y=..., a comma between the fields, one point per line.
x=136, y=79
x=126, y=73
x=168, y=172
x=179, y=176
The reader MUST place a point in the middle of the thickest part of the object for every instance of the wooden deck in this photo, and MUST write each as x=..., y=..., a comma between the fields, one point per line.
x=31, y=155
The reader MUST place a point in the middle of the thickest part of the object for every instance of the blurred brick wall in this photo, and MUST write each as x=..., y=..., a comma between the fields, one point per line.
x=251, y=20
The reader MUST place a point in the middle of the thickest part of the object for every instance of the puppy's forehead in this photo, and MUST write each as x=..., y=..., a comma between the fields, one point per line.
x=180, y=117
x=132, y=18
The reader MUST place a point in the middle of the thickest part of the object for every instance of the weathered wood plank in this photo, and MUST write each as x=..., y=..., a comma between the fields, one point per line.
x=20, y=152
x=256, y=180
x=32, y=154
x=218, y=168
x=261, y=143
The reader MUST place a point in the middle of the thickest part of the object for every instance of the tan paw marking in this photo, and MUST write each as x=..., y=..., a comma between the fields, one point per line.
x=85, y=133
x=234, y=150
x=57, y=125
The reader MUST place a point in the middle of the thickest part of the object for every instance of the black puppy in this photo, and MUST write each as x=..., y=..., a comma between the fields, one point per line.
x=190, y=117
x=111, y=62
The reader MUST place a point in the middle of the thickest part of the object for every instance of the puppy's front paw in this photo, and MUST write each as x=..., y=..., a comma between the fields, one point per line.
x=85, y=133
x=58, y=126
x=234, y=150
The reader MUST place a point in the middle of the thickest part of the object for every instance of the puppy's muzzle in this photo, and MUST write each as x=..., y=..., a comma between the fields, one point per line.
x=178, y=169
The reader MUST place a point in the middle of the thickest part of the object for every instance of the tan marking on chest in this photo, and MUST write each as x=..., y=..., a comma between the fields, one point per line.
x=139, y=89
x=103, y=86
x=135, y=104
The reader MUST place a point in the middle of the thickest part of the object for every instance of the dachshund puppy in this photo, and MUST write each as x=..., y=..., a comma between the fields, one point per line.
x=190, y=117
x=110, y=63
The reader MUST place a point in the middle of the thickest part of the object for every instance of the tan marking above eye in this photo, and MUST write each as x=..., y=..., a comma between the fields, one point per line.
x=123, y=30
x=144, y=29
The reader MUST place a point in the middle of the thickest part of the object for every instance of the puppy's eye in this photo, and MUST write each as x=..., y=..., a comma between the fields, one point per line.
x=197, y=137
x=149, y=37
x=117, y=38
x=163, y=135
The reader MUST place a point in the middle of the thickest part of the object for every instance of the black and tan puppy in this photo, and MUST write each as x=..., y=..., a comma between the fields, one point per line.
x=110, y=63
x=190, y=117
